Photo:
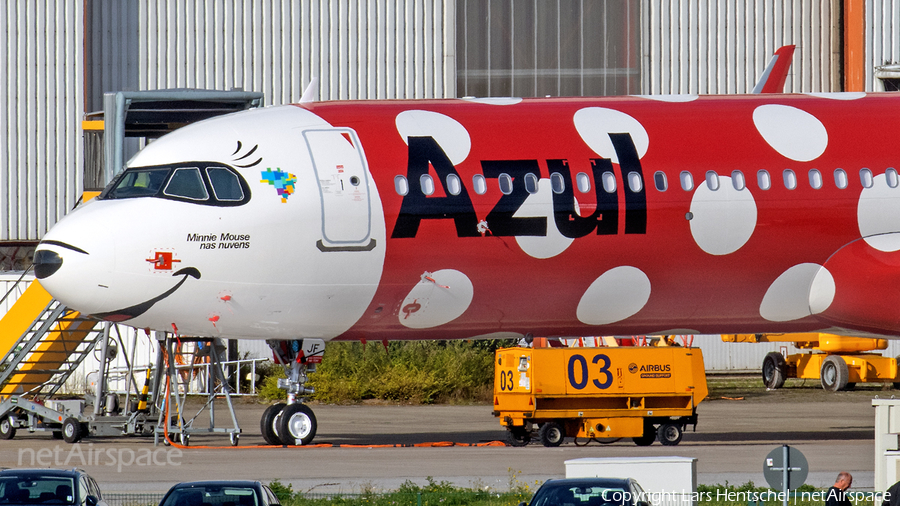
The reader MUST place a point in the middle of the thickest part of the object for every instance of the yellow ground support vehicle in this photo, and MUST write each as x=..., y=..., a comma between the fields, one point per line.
x=598, y=393
x=839, y=362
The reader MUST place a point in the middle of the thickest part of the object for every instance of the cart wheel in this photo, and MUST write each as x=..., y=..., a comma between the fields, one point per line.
x=774, y=370
x=185, y=439
x=7, y=431
x=297, y=424
x=669, y=433
x=235, y=438
x=834, y=373
x=552, y=434
x=517, y=436
x=269, y=423
x=71, y=430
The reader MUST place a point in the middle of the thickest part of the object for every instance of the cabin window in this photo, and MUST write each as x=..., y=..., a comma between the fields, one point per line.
x=635, y=183
x=687, y=181
x=505, y=183
x=187, y=183
x=609, y=182
x=815, y=179
x=427, y=184
x=659, y=179
x=401, y=185
x=712, y=180
x=737, y=179
x=865, y=177
x=891, y=176
x=531, y=183
x=225, y=184
x=583, y=182
x=790, y=179
x=840, y=178
x=763, y=180
x=454, y=185
x=557, y=182
x=479, y=184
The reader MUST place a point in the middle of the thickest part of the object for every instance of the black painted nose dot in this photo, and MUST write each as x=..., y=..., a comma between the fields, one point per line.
x=46, y=262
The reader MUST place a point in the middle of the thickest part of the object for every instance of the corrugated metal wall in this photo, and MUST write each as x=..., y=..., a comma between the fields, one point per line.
x=356, y=48
x=40, y=114
x=882, y=37
x=722, y=46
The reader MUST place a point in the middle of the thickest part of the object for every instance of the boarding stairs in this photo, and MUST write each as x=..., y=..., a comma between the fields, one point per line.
x=44, y=343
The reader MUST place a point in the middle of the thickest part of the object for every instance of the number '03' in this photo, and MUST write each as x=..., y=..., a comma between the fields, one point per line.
x=506, y=381
x=578, y=367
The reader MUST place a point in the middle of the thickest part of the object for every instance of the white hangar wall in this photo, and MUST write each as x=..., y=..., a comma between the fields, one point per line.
x=357, y=49
x=882, y=34
x=722, y=46
x=41, y=102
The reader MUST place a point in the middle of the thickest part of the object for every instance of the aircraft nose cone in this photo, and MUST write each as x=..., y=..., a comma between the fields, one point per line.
x=46, y=262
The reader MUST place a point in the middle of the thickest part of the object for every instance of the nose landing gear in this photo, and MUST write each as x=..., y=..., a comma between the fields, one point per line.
x=293, y=423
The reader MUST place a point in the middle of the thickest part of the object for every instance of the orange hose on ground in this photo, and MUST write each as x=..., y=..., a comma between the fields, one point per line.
x=439, y=444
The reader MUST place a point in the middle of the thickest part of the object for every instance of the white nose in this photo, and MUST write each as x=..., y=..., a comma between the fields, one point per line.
x=73, y=262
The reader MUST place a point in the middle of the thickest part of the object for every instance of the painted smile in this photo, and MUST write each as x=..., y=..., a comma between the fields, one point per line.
x=141, y=308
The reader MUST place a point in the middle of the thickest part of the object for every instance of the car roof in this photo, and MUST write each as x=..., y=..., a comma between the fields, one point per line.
x=42, y=472
x=219, y=483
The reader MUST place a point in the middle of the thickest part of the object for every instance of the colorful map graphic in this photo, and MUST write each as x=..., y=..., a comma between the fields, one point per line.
x=282, y=181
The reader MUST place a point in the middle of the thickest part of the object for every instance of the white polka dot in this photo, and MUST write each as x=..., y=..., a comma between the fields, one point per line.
x=617, y=294
x=850, y=95
x=594, y=124
x=800, y=291
x=670, y=98
x=821, y=292
x=793, y=133
x=450, y=135
x=878, y=215
x=724, y=219
x=436, y=301
x=540, y=205
x=494, y=100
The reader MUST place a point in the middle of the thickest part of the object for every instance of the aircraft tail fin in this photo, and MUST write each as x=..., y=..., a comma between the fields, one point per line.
x=772, y=79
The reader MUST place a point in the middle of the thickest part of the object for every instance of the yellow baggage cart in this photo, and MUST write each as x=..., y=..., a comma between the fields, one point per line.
x=598, y=393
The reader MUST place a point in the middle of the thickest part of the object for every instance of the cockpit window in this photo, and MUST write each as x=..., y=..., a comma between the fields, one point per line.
x=137, y=183
x=187, y=183
x=207, y=183
x=225, y=184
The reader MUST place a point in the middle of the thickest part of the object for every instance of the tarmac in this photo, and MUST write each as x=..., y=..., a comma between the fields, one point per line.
x=835, y=431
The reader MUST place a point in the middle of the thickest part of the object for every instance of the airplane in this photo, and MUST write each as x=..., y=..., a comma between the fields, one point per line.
x=495, y=218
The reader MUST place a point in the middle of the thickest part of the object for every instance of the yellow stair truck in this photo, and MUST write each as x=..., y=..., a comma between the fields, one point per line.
x=598, y=393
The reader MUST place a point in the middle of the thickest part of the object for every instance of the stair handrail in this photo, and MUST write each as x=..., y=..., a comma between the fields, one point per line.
x=8, y=292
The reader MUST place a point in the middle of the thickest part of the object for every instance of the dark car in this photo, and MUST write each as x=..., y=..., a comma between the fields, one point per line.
x=48, y=486
x=590, y=492
x=220, y=493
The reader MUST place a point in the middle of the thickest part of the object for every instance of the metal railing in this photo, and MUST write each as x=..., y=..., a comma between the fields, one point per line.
x=196, y=377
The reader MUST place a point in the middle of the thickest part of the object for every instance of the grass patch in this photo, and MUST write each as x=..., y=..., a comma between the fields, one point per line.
x=415, y=372
x=433, y=494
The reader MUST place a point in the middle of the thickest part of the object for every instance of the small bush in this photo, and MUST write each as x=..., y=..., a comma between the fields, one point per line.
x=419, y=372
